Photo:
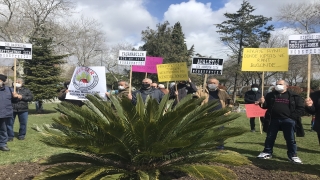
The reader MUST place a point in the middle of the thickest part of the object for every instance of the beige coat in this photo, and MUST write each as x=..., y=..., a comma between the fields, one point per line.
x=222, y=94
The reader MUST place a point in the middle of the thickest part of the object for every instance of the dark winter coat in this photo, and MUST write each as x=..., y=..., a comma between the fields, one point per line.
x=152, y=92
x=21, y=105
x=315, y=110
x=62, y=97
x=250, y=97
x=183, y=90
x=6, y=99
x=296, y=106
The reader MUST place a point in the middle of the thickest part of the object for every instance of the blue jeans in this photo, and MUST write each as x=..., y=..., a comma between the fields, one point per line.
x=287, y=126
x=3, y=132
x=23, y=119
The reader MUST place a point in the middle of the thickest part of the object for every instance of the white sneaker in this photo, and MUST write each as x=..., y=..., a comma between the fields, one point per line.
x=295, y=160
x=264, y=155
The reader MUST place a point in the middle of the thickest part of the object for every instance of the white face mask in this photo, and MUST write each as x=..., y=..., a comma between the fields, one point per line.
x=279, y=88
x=120, y=87
x=18, y=85
x=67, y=86
x=212, y=86
x=254, y=89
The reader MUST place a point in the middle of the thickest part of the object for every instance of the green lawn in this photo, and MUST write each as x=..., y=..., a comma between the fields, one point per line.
x=31, y=149
x=249, y=144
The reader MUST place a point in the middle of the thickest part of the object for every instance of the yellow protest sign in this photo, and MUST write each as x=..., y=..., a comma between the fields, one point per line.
x=172, y=72
x=265, y=59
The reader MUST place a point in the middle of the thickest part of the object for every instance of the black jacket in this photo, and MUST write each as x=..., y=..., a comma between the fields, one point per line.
x=250, y=97
x=296, y=106
x=183, y=90
x=315, y=109
x=62, y=97
x=152, y=92
x=21, y=105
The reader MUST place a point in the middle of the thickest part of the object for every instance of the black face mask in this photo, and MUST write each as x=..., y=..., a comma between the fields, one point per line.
x=145, y=86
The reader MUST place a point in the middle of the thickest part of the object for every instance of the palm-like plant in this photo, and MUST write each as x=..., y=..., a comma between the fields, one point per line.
x=117, y=140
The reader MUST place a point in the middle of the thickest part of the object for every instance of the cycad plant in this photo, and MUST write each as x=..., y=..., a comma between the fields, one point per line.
x=117, y=140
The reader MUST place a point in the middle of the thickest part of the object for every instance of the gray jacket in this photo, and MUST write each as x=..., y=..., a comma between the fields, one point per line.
x=152, y=92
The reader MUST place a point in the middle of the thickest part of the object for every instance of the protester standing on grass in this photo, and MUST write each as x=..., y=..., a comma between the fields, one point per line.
x=6, y=110
x=20, y=109
x=252, y=97
x=313, y=107
x=213, y=93
x=284, y=109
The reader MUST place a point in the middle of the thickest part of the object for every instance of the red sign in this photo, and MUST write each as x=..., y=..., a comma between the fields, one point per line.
x=254, y=110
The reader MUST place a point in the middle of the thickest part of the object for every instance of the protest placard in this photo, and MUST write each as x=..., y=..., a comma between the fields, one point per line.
x=132, y=57
x=150, y=65
x=265, y=59
x=15, y=50
x=172, y=72
x=303, y=44
x=87, y=80
x=207, y=66
x=254, y=110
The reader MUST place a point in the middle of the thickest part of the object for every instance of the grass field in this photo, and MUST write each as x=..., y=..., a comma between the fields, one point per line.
x=249, y=145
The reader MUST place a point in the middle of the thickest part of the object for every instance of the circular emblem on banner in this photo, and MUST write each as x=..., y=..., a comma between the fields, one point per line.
x=85, y=79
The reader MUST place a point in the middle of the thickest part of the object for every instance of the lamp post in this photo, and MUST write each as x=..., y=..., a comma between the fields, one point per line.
x=101, y=55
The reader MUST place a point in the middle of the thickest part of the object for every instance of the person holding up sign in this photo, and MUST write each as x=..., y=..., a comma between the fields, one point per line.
x=6, y=110
x=182, y=90
x=146, y=90
x=20, y=109
x=284, y=109
x=313, y=107
x=252, y=97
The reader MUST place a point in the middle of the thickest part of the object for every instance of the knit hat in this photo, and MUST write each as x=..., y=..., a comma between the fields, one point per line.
x=3, y=77
x=254, y=85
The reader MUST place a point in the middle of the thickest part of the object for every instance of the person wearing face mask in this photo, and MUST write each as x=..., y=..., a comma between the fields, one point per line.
x=63, y=93
x=183, y=89
x=284, y=110
x=20, y=109
x=252, y=97
x=212, y=92
x=146, y=90
x=123, y=89
x=6, y=110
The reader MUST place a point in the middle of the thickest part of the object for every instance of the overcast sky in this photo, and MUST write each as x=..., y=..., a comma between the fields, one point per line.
x=123, y=20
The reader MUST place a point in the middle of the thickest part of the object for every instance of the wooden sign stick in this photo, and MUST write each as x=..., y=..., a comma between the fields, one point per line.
x=146, y=75
x=204, y=82
x=309, y=75
x=14, y=74
x=262, y=90
x=130, y=79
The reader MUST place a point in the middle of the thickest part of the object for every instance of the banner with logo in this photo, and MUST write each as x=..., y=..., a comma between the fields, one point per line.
x=172, y=72
x=150, y=67
x=87, y=80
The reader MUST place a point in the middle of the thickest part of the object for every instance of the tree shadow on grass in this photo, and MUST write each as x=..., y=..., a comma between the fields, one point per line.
x=34, y=112
x=278, y=163
x=282, y=146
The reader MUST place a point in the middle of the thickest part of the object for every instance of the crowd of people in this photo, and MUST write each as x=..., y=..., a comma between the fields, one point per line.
x=284, y=108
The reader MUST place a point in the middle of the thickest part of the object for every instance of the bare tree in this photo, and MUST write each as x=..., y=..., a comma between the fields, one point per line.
x=84, y=39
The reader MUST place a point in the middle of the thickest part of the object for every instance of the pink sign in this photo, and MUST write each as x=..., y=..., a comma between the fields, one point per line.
x=150, y=67
x=253, y=110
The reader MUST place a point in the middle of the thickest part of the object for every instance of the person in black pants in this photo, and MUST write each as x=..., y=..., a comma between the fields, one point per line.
x=312, y=106
x=252, y=97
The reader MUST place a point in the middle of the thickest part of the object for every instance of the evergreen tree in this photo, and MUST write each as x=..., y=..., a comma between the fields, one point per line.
x=42, y=73
x=167, y=42
x=242, y=29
